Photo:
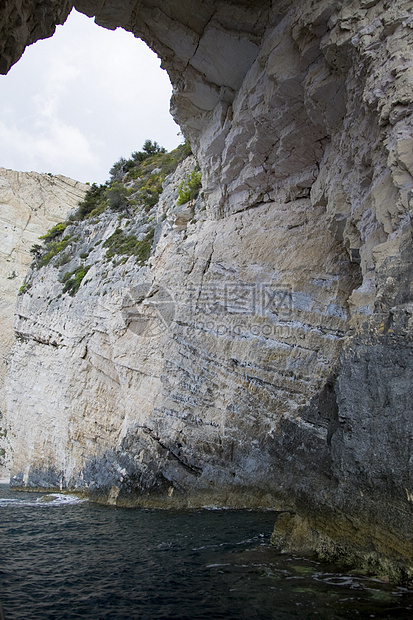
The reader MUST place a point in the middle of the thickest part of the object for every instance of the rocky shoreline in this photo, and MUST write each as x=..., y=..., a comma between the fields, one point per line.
x=259, y=335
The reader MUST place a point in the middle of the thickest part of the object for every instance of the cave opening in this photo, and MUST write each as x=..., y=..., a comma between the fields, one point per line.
x=78, y=101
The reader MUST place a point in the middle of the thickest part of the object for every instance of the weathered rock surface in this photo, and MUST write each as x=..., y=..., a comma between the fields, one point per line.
x=300, y=115
x=23, y=22
x=183, y=391
x=30, y=204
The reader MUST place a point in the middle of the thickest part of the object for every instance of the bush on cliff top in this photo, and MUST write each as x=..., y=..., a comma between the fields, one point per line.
x=121, y=167
x=135, y=185
x=92, y=204
x=144, y=185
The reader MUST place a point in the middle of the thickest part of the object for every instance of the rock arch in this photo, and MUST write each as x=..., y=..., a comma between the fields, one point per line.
x=209, y=49
x=307, y=105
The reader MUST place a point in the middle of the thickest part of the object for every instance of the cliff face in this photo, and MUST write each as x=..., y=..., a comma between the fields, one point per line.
x=280, y=371
x=175, y=376
x=30, y=203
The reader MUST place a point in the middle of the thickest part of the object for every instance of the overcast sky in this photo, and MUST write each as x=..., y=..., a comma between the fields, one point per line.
x=77, y=102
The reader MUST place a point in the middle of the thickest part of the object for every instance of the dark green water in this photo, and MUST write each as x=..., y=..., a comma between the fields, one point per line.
x=63, y=559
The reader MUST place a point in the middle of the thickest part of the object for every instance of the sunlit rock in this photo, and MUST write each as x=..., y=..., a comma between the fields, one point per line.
x=30, y=204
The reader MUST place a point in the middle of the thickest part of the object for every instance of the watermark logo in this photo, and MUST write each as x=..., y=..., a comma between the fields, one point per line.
x=239, y=330
x=150, y=310
x=221, y=308
x=262, y=299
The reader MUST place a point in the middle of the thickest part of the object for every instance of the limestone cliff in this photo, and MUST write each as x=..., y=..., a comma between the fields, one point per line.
x=282, y=373
x=30, y=203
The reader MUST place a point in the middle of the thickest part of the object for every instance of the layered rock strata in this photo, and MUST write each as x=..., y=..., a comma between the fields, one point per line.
x=300, y=115
x=176, y=377
x=30, y=204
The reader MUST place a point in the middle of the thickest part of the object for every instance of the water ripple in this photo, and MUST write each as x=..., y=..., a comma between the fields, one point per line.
x=74, y=559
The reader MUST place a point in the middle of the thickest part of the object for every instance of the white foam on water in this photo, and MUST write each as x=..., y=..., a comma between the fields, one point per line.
x=216, y=508
x=50, y=499
x=57, y=499
x=17, y=503
x=218, y=565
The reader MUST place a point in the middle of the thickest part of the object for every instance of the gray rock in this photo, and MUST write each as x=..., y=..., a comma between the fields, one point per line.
x=282, y=378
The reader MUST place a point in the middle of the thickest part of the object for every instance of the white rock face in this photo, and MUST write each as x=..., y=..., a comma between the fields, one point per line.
x=232, y=327
x=30, y=204
x=282, y=374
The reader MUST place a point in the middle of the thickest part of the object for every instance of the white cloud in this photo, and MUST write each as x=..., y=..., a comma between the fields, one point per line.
x=77, y=102
x=52, y=149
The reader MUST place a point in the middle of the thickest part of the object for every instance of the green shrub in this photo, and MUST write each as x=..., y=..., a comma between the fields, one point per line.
x=121, y=244
x=36, y=250
x=73, y=279
x=53, y=248
x=189, y=188
x=149, y=148
x=117, y=196
x=118, y=169
x=66, y=277
x=93, y=203
x=25, y=287
x=63, y=259
x=54, y=232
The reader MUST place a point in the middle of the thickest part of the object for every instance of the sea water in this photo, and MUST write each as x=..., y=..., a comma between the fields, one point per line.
x=64, y=558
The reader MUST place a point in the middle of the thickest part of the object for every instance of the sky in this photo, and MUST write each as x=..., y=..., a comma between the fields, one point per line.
x=77, y=102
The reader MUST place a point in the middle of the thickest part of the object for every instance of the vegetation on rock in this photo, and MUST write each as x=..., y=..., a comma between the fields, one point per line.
x=53, y=248
x=135, y=183
x=121, y=167
x=123, y=244
x=133, y=191
x=189, y=188
x=93, y=203
x=54, y=232
x=24, y=287
x=73, y=279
